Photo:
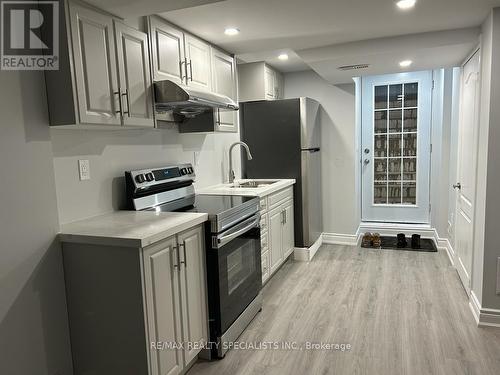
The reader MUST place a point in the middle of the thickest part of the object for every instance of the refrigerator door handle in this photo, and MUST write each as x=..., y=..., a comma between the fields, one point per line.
x=312, y=150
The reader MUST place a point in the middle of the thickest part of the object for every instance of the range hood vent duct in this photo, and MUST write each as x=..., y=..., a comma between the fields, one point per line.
x=188, y=102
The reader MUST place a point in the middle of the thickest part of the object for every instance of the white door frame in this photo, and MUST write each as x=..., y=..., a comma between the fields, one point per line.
x=424, y=79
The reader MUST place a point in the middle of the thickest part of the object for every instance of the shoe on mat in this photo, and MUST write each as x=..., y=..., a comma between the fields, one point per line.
x=415, y=241
x=367, y=240
x=377, y=241
x=402, y=240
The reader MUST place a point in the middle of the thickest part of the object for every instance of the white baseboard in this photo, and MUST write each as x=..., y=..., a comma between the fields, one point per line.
x=445, y=244
x=483, y=317
x=306, y=254
x=340, y=239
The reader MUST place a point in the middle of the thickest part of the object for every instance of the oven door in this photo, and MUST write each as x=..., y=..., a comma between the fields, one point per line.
x=237, y=253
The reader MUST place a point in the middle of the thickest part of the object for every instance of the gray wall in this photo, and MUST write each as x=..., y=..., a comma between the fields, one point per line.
x=486, y=248
x=33, y=319
x=112, y=152
x=338, y=147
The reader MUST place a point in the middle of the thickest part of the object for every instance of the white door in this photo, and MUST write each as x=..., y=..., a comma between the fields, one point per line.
x=161, y=278
x=224, y=82
x=95, y=66
x=193, y=291
x=134, y=76
x=467, y=162
x=275, y=238
x=199, y=74
x=396, y=124
x=167, y=51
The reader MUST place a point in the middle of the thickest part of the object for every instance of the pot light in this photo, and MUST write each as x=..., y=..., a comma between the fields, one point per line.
x=406, y=4
x=283, y=57
x=405, y=63
x=231, y=31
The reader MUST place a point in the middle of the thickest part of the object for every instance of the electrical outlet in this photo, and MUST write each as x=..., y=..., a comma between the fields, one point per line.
x=498, y=275
x=84, y=169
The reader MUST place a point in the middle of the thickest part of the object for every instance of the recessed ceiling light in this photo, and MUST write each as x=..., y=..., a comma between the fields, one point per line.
x=231, y=31
x=283, y=57
x=406, y=4
x=405, y=63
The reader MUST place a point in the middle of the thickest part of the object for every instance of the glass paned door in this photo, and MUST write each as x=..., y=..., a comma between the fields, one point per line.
x=395, y=138
x=396, y=147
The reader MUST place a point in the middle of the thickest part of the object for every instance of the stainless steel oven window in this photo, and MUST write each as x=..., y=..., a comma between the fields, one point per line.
x=240, y=266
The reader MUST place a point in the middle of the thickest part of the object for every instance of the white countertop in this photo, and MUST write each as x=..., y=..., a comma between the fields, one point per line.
x=129, y=228
x=226, y=189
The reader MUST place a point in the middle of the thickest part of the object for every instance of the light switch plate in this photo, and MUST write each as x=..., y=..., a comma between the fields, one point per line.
x=498, y=275
x=84, y=169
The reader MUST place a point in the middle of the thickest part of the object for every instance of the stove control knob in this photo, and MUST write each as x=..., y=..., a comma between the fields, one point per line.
x=184, y=171
x=139, y=178
x=190, y=170
x=150, y=177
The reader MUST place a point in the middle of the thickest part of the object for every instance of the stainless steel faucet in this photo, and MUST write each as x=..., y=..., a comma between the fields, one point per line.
x=249, y=157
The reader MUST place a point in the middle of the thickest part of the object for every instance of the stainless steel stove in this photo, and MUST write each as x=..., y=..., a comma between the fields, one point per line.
x=234, y=276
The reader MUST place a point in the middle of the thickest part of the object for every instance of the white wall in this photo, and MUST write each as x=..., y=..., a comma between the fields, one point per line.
x=338, y=147
x=34, y=336
x=111, y=153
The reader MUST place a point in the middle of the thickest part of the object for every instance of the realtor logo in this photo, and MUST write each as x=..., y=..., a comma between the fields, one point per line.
x=29, y=35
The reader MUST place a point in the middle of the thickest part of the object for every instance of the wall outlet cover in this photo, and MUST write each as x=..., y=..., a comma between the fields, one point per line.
x=84, y=169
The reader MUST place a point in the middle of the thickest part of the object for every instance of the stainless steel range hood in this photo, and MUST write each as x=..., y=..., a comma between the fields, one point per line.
x=185, y=101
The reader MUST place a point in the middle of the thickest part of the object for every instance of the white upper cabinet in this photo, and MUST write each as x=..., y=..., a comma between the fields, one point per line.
x=134, y=76
x=104, y=76
x=198, y=67
x=258, y=81
x=95, y=66
x=167, y=50
x=224, y=83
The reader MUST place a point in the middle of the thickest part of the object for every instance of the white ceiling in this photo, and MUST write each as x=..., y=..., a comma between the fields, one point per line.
x=269, y=27
x=136, y=8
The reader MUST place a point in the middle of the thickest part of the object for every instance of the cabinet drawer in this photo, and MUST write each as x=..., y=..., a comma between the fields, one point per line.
x=263, y=204
x=265, y=267
x=264, y=242
x=280, y=196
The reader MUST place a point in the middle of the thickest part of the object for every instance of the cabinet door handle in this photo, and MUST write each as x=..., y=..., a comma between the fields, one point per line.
x=176, y=250
x=126, y=95
x=120, y=111
x=183, y=245
x=183, y=76
x=190, y=70
x=286, y=219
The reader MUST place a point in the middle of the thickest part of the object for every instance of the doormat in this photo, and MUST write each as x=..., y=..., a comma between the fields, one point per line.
x=391, y=243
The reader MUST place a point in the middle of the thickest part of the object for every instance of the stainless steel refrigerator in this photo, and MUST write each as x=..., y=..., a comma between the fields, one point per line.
x=284, y=137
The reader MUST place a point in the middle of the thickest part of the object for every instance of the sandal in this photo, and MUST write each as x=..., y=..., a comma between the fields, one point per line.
x=377, y=241
x=367, y=240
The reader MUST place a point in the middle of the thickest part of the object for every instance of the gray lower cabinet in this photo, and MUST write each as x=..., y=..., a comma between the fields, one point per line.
x=133, y=311
x=104, y=76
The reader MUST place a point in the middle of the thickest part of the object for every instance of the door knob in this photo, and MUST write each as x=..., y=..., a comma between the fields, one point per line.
x=458, y=186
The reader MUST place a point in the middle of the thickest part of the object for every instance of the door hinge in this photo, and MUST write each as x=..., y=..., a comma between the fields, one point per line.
x=431, y=148
x=430, y=207
x=433, y=84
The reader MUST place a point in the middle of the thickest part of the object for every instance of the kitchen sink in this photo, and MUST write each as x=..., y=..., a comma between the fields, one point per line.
x=253, y=184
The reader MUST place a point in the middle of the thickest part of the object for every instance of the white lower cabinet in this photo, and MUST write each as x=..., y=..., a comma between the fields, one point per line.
x=176, y=300
x=277, y=230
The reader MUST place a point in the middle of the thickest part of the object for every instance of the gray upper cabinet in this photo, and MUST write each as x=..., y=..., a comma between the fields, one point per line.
x=224, y=82
x=259, y=81
x=104, y=77
x=134, y=76
x=95, y=66
x=198, y=67
x=167, y=51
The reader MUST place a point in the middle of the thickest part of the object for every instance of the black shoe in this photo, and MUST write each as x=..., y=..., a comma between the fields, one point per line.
x=415, y=241
x=402, y=240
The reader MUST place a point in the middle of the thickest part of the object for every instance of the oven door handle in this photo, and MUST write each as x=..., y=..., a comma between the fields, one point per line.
x=254, y=222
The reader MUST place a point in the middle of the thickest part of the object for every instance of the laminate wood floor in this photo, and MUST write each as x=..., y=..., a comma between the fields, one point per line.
x=402, y=313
